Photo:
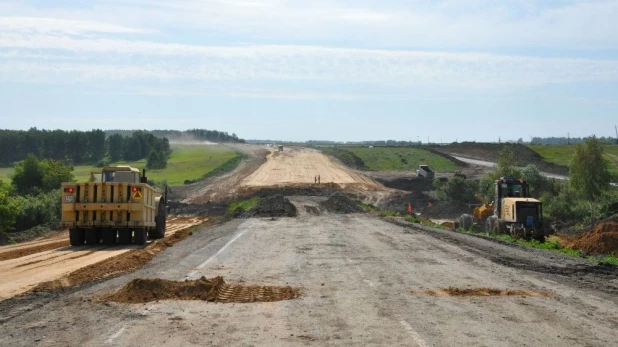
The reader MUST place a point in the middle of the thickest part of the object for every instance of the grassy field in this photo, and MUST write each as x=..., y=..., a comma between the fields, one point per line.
x=563, y=154
x=188, y=162
x=401, y=159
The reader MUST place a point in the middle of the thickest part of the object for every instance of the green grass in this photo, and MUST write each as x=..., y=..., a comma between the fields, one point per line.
x=244, y=205
x=187, y=162
x=401, y=159
x=563, y=154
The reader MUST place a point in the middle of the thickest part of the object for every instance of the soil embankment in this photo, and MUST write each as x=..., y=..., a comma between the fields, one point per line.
x=490, y=151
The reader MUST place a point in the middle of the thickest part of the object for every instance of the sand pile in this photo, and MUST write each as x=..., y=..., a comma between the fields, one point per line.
x=212, y=290
x=273, y=206
x=602, y=240
x=341, y=203
x=454, y=291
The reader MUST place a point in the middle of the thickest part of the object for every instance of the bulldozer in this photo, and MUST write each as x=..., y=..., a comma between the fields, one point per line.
x=116, y=206
x=514, y=212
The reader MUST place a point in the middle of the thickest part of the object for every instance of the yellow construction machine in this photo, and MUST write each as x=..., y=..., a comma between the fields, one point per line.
x=117, y=206
x=480, y=213
x=514, y=212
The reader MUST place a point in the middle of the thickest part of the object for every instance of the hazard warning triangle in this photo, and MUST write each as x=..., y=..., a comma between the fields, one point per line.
x=137, y=194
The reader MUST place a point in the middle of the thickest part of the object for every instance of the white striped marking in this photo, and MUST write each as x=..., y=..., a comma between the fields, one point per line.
x=203, y=265
x=417, y=338
x=116, y=335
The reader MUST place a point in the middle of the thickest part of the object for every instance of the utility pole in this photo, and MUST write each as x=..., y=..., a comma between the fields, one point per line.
x=616, y=127
x=568, y=138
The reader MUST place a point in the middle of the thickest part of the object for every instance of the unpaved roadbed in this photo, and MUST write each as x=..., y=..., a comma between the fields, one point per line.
x=361, y=279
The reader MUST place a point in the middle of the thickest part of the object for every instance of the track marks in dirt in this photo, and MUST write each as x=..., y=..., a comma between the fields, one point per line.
x=36, y=248
x=122, y=263
x=212, y=290
x=464, y=292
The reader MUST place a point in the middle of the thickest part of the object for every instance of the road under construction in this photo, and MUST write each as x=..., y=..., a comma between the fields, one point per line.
x=322, y=277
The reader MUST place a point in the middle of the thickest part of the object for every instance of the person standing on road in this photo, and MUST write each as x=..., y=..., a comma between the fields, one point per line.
x=319, y=179
x=410, y=209
x=315, y=178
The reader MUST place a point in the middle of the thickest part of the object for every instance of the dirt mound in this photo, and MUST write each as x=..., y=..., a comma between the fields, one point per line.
x=602, y=240
x=22, y=252
x=273, y=206
x=114, y=266
x=212, y=290
x=454, y=291
x=490, y=151
x=341, y=203
x=414, y=184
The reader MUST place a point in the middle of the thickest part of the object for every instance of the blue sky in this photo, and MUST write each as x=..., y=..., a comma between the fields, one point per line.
x=300, y=70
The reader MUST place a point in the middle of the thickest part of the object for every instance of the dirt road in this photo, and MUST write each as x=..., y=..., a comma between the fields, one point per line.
x=364, y=282
x=27, y=264
x=301, y=166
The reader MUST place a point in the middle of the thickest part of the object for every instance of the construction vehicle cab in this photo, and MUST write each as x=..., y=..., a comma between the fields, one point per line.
x=514, y=212
x=116, y=206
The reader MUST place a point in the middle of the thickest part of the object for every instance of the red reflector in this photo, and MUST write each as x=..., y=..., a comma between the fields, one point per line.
x=134, y=189
x=68, y=190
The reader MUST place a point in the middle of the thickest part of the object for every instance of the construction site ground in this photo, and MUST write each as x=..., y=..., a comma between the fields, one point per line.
x=362, y=279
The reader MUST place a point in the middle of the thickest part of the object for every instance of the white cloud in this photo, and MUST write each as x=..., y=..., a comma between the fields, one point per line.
x=56, y=25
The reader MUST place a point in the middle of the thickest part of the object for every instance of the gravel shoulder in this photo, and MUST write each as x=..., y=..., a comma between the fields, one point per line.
x=362, y=280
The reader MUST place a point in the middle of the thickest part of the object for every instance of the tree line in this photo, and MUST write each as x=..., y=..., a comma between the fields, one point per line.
x=570, y=140
x=187, y=135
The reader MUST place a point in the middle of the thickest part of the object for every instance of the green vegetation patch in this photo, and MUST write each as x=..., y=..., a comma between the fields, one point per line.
x=563, y=154
x=401, y=159
x=187, y=162
x=244, y=205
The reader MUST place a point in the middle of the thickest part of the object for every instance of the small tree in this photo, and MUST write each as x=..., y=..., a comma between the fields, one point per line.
x=156, y=160
x=507, y=162
x=54, y=173
x=589, y=171
x=537, y=183
x=28, y=175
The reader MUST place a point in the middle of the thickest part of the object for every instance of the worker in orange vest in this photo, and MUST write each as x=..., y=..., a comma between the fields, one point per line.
x=410, y=208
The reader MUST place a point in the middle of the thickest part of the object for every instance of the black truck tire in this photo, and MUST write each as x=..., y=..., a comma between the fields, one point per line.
x=108, y=235
x=124, y=236
x=77, y=236
x=139, y=236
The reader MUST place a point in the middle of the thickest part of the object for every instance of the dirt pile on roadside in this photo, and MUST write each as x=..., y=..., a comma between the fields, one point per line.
x=341, y=203
x=273, y=206
x=454, y=291
x=212, y=290
x=114, y=266
x=22, y=252
x=602, y=240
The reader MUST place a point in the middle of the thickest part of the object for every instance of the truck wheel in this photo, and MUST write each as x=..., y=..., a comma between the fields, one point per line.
x=109, y=236
x=161, y=221
x=124, y=236
x=76, y=236
x=93, y=236
x=139, y=236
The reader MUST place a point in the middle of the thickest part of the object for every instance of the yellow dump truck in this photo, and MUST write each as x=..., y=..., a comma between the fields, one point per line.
x=117, y=206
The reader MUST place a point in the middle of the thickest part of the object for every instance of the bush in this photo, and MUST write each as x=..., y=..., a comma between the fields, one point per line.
x=457, y=188
x=9, y=210
x=32, y=176
x=37, y=210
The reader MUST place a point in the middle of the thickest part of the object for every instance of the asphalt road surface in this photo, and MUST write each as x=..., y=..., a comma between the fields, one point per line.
x=364, y=282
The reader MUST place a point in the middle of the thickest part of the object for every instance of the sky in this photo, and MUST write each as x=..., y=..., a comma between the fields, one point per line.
x=437, y=70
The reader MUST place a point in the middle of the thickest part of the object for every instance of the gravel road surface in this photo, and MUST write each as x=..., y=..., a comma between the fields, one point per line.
x=364, y=282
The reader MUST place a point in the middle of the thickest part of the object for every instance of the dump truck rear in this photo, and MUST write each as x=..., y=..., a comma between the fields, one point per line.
x=117, y=206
